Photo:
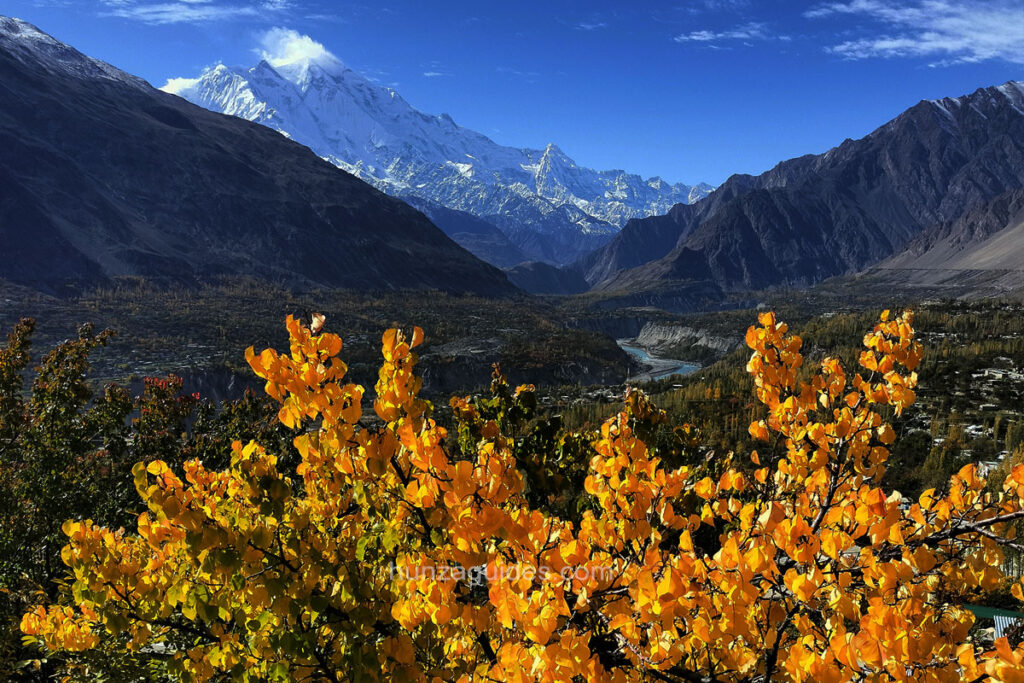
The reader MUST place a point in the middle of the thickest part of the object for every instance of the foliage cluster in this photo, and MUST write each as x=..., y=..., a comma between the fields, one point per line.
x=360, y=564
x=67, y=453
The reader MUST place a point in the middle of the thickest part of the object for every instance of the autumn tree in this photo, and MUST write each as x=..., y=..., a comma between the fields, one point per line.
x=67, y=451
x=398, y=551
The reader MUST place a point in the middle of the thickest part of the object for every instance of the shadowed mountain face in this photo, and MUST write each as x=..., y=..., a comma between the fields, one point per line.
x=818, y=216
x=543, y=278
x=102, y=175
x=980, y=254
x=482, y=239
x=988, y=237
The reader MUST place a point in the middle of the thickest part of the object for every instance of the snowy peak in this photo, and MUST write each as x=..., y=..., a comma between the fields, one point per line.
x=26, y=42
x=17, y=30
x=546, y=203
x=1014, y=92
x=307, y=71
x=103, y=177
x=984, y=100
x=554, y=158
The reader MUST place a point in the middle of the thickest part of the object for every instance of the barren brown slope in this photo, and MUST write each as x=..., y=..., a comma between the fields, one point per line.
x=979, y=254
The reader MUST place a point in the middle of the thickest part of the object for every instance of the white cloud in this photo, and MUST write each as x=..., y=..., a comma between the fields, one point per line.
x=176, y=85
x=190, y=11
x=284, y=46
x=949, y=31
x=434, y=74
x=750, y=31
x=590, y=25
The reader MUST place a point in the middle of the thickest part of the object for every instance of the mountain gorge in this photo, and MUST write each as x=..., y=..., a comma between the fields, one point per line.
x=102, y=175
x=819, y=216
x=549, y=208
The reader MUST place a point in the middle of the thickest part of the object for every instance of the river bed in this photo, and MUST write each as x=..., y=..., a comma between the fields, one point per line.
x=655, y=368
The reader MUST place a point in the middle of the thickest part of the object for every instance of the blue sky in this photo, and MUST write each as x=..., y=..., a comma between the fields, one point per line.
x=692, y=90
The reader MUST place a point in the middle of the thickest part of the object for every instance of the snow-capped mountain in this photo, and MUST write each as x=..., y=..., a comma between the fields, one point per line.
x=549, y=207
x=103, y=176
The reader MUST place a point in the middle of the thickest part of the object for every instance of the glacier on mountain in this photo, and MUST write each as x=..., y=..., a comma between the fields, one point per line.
x=550, y=208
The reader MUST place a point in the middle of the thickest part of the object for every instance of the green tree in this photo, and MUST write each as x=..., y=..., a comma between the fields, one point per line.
x=66, y=452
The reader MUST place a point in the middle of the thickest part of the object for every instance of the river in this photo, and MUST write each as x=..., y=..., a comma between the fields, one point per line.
x=655, y=368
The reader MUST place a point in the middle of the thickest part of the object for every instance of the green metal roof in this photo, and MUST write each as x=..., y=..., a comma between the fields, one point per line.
x=989, y=612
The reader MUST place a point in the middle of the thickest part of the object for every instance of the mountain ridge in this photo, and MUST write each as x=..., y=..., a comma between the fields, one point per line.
x=105, y=176
x=548, y=206
x=818, y=216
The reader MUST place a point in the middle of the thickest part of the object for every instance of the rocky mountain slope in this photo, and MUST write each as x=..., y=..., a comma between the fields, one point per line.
x=979, y=254
x=102, y=175
x=536, y=277
x=548, y=206
x=476, y=235
x=989, y=237
x=818, y=216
